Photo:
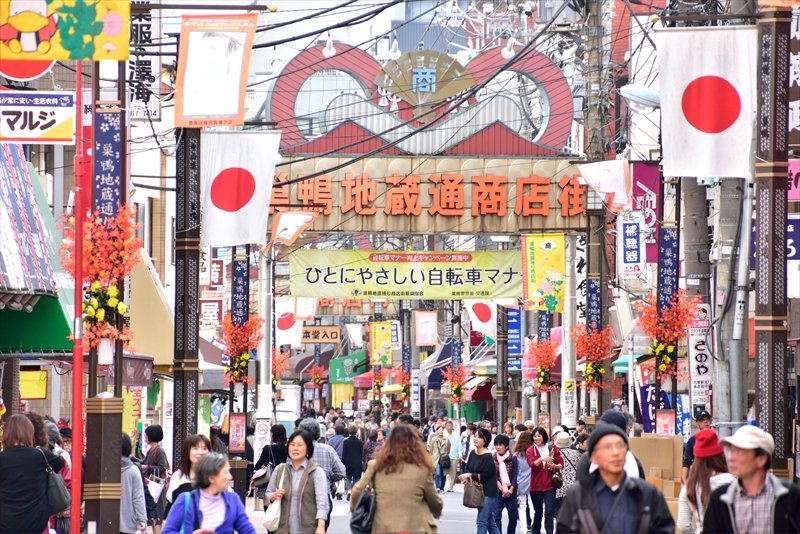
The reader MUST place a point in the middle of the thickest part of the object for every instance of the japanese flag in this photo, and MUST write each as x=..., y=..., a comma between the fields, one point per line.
x=483, y=317
x=288, y=328
x=708, y=100
x=237, y=170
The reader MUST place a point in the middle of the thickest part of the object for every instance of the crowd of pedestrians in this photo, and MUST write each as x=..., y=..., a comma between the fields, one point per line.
x=565, y=481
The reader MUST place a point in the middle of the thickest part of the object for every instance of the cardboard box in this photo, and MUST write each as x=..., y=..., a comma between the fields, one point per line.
x=664, y=452
x=672, y=488
x=657, y=482
x=672, y=504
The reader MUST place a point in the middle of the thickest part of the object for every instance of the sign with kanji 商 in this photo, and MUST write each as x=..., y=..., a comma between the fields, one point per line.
x=365, y=274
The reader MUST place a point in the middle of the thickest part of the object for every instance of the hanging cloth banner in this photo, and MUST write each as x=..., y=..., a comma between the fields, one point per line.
x=425, y=328
x=355, y=333
x=288, y=329
x=380, y=343
x=543, y=272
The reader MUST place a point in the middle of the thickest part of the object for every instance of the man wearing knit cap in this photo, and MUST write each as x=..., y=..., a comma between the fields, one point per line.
x=758, y=501
x=632, y=464
x=610, y=500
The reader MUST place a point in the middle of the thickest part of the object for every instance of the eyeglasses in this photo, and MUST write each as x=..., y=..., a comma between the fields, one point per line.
x=620, y=446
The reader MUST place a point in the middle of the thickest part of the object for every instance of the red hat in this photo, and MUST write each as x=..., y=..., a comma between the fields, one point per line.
x=706, y=444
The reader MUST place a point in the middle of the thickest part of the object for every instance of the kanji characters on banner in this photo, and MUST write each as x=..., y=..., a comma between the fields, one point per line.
x=543, y=272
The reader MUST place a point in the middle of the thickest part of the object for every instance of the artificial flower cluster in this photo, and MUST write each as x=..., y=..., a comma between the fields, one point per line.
x=543, y=380
x=593, y=375
x=595, y=346
x=667, y=328
x=455, y=378
x=101, y=306
x=239, y=341
x=538, y=360
x=403, y=378
x=316, y=372
x=378, y=378
x=280, y=363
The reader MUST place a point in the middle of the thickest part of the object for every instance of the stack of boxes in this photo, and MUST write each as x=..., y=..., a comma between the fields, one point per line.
x=661, y=457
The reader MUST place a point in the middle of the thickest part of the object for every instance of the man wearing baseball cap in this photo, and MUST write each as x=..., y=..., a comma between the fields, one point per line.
x=610, y=500
x=757, y=501
x=703, y=421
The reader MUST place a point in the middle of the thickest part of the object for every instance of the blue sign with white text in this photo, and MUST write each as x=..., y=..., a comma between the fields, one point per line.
x=514, y=331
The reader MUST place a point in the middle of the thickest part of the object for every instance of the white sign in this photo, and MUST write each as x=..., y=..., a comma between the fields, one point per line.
x=205, y=271
x=363, y=405
x=701, y=364
x=415, y=406
x=261, y=436
x=569, y=403
x=144, y=76
x=581, y=266
x=631, y=254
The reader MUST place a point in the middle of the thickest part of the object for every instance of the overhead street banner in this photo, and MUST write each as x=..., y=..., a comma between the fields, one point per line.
x=364, y=274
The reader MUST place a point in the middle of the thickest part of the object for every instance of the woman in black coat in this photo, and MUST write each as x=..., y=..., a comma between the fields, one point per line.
x=351, y=458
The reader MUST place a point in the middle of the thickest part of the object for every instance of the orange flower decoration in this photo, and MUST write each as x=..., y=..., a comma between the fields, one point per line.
x=316, y=372
x=239, y=341
x=454, y=378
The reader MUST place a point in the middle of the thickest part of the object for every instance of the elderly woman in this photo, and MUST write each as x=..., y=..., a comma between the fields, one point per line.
x=304, y=485
x=210, y=507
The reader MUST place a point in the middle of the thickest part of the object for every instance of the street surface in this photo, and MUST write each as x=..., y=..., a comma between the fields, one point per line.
x=455, y=518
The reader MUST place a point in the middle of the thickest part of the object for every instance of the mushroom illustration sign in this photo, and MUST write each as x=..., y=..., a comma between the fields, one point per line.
x=63, y=30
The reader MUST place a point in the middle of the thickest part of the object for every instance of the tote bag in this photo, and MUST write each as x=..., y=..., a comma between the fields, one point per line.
x=272, y=518
x=473, y=494
x=58, y=498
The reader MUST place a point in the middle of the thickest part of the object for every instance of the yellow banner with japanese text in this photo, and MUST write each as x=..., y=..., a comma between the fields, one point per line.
x=543, y=272
x=369, y=274
x=380, y=350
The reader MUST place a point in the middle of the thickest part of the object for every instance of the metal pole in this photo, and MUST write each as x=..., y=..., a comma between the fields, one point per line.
x=264, y=390
x=569, y=415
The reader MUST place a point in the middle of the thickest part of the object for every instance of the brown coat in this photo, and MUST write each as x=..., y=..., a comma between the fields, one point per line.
x=406, y=500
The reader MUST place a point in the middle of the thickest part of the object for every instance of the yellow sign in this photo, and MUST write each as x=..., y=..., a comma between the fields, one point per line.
x=364, y=274
x=543, y=272
x=81, y=30
x=569, y=386
x=380, y=343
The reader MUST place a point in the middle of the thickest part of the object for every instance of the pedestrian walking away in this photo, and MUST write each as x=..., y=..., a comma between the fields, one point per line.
x=406, y=499
x=132, y=511
x=757, y=502
x=611, y=501
x=480, y=468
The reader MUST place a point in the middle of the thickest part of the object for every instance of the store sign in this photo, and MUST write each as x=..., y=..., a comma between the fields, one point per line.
x=630, y=245
x=405, y=275
x=701, y=364
x=217, y=272
x=646, y=192
x=210, y=311
x=415, y=393
x=144, y=79
x=581, y=266
x=321, y=334
x=204, y=269
x=792, y=240
x=472, y=195
x=514, y=318
x=37, y=117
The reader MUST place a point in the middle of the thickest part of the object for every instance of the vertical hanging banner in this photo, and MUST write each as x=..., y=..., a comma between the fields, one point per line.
x=108, y=157
x=543, y=272
x=630, y=245
x=406, y=359
x=456, y=354
x=425, y=328
x=213, y=61
x=380, y=343
x=144, y=80
x=646, y=193
x=397, y=335
x=544, y=323
x=288, y=328
x=667, y=266
x=78, y=30
x=514, y=331
x=317, y=354
x=581, y=265
x=594, y=311
x=240, y=291
x=355, y=334
x=701, y=364
x=415, y=393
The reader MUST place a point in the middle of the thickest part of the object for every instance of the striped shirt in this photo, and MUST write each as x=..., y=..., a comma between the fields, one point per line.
x=753, y=513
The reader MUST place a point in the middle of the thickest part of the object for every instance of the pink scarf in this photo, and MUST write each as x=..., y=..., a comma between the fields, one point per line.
x=503, y=469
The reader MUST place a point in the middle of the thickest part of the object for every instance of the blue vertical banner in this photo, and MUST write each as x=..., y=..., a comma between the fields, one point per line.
x=240, y=290
x=317, y=354
x=455, y=357
x=406, y=359
x=108, y=156
x=648, y=397
x=667, y=266
x=514, y=331
x=544, y=324
x=593, y=311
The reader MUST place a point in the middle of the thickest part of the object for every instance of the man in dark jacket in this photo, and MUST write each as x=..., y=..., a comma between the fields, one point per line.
x=633, y=467
x=609, y=500
x=758, y=501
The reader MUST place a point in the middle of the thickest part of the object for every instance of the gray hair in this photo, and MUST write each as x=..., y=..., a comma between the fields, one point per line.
x=208, y=466
x=311, y=426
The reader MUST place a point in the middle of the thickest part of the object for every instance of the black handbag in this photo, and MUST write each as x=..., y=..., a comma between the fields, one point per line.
x=58, y=498
x=444, y=462
x=364, y=513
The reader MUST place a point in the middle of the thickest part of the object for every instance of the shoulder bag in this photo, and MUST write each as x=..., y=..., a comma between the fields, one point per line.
x=364, y=512
x=272, y=518
x=556, y=478
x=473, y=494
x=58, y=498
x=187, y=496
x=262, y=476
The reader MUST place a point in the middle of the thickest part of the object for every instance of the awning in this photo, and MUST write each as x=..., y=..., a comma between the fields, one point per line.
x=48, y=326
x=151, y=317
x=299, y=363
x=482, y=392
x=440, y=358
x=363, y=381
x=343, y=370
x=25, y=263
x=475, y=381
x=392, y=389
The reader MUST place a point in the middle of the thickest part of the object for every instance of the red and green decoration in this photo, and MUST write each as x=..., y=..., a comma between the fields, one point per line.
x=240, y=340
x=454, y=377
x=595, y=346
x=667, y=328
x=543, y=354
x=378, y=377
x=404, y=379
x=280, y=364
x=316, y=372
x=110, y=251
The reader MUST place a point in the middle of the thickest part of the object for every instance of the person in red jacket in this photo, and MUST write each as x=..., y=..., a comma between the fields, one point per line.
x=543, y=459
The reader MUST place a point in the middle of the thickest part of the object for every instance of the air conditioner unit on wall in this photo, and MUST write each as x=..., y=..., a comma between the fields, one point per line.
x=568, y=17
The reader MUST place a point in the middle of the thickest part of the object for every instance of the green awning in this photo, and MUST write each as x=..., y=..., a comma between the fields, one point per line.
x=48, y=327
x=344, y=369
x=620, y=365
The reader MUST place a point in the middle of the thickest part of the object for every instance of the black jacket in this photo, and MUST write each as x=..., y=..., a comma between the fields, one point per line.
x=579, y=513
x=786, y=515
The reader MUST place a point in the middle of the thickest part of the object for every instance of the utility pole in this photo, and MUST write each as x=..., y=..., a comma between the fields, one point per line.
x=501, y=395
x=772, y=171
x=596, y=98
x=569, y=398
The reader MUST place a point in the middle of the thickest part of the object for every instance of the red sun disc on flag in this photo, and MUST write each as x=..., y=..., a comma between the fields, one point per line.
x=285, y=321
x=25, y=70
x=482, y=312
x=232, y=189
x=711, y=104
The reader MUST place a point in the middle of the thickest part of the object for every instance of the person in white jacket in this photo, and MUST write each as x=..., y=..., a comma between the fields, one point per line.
x=708, y=472
x=132, y=513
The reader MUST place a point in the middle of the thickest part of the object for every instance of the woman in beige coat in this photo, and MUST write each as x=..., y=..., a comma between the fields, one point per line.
x=405, y=495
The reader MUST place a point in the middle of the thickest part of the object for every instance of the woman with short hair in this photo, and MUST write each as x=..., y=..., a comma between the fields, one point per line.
x=156, y=465
x=402, y=477
x=210, y=507
x=302, y=486
x=543, y=460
